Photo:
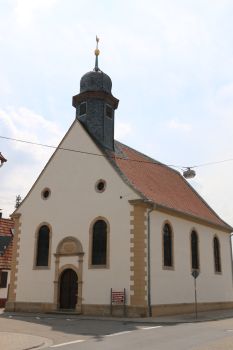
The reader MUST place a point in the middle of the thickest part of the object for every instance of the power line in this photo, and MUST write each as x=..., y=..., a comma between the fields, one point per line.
x=117, y=157
x=85, y=152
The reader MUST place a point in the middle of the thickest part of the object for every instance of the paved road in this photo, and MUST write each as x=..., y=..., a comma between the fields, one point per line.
x=197, y=336
x=79, y=333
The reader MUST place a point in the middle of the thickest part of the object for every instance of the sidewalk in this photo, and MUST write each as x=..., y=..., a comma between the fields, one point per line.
x=21, y=341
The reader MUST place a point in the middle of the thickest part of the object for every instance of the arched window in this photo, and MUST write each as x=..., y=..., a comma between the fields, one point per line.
x=99, y=243
x=42, y=253
x=217, y=257
x=194, y=250
x=167, y=246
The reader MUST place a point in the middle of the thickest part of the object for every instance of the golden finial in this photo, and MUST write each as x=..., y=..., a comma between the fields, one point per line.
x=97, y=52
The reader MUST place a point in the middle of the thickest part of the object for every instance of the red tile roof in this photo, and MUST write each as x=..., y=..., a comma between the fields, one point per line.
x=6, y=225
x=162, y=185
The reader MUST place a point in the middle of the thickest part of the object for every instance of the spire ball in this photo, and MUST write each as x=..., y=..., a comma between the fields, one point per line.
x=97, y=52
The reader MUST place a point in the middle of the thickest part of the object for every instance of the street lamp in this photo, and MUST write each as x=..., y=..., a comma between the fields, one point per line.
x=2, y=160
x=189, y=173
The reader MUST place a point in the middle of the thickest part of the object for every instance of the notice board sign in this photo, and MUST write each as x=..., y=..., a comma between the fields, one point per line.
x=118, y=298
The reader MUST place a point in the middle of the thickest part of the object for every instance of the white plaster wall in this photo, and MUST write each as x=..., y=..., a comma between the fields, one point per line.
x=177, y=286
x=3, y=291
x=70, y=209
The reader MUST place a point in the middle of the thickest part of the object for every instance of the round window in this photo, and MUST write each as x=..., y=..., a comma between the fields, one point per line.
x=100, y=185
x=45, y=193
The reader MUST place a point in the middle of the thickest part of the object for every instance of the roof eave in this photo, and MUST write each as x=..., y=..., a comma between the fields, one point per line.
x=150, y=204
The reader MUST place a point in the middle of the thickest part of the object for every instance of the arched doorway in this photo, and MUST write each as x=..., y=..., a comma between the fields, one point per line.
x=68, y=289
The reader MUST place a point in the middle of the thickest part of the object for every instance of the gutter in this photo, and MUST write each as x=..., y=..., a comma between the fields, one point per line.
x=230, y=236
x=149, y=309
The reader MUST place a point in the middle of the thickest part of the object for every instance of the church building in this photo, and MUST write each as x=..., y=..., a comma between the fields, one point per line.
x=103, y=217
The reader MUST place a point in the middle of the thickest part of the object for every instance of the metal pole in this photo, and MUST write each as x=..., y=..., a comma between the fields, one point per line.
x=231, y=235
x=195, y=289
x=111, y=303
x=148, y=264
x=124, y=302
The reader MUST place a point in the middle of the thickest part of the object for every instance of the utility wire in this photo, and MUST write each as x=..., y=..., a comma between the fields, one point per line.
x=84, y=152
x=117, y=157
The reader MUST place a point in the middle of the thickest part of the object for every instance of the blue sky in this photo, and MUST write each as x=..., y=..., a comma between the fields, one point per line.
x=171, y=64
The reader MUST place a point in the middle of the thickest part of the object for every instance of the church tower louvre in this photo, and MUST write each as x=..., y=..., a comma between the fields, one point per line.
x=95, y=105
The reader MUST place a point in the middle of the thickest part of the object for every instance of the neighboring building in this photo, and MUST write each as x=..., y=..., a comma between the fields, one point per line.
x=2, y=159
x=6, y=240
x=83, y=228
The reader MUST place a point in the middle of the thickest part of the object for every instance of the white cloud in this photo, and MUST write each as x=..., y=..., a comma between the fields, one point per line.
x=26, y=10
x=173, y=124
x=25, y=161
x=25, y=124
x=122, y=130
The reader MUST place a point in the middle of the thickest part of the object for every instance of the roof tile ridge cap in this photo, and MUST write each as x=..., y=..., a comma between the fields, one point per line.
x=204, y=202
x=152, y=160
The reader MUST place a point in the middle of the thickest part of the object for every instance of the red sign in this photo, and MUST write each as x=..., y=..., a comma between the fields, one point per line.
x=118, y=297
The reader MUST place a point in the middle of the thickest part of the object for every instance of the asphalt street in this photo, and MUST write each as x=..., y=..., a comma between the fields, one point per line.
x=78, y=333
x=198, y=336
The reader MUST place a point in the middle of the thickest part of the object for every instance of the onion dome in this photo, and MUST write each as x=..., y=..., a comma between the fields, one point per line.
x=96, y=81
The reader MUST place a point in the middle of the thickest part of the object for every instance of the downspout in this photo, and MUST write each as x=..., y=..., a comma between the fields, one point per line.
x=148, y=262
x=231, y=235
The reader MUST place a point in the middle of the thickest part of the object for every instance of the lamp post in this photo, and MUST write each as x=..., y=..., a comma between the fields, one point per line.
x=195, y=274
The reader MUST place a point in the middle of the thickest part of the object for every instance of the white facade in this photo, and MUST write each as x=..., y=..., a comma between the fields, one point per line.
x=73, y=205
x=176, y=285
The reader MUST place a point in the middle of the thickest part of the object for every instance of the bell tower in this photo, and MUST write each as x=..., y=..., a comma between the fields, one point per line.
x=95, y=105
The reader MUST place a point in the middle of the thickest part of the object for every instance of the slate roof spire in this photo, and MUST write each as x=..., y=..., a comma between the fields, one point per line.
x=95, y=105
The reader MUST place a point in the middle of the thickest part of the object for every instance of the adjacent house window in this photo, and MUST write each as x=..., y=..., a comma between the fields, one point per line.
x=42, y=252
x=3, y=279
x=99, y=243
x=167, y=246
x=217, y=257
x=194, y=250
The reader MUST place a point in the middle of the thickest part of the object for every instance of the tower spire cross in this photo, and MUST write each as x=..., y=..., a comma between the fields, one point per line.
x=97, y=52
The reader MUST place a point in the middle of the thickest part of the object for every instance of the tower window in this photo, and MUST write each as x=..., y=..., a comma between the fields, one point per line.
x=83, y=108
x=108, y=111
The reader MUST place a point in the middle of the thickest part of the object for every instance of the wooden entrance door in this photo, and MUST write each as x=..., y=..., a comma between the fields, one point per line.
x=68, y=289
